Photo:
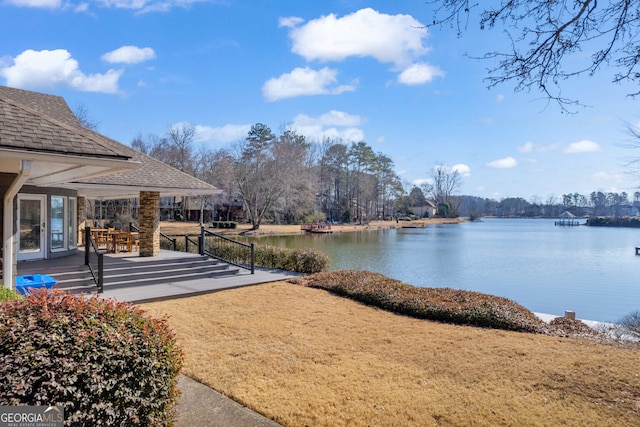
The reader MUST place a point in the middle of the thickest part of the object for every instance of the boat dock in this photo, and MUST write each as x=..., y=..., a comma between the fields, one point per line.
x=567, y=223
x=316, y=228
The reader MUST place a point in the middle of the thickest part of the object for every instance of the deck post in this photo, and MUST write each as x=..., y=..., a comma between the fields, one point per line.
x=201, y=241
x=100, y=273
x=253, y=257
x=87, y=244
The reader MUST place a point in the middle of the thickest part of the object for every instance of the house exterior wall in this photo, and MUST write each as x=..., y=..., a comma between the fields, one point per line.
x=5, y=181
x=424, y=211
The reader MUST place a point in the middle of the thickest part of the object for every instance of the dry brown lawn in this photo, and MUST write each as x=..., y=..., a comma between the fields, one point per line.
x=305, y=357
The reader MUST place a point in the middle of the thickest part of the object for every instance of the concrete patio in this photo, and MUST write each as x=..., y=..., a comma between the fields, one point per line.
x=130, y=277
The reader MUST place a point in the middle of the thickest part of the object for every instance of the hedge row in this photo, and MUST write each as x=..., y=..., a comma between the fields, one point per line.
x=105, y=362
x=439, y=304
x=297, y=260
x=224, y=224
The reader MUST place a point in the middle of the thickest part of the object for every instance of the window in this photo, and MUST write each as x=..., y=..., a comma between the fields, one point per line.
x=64, y=223
x=57, y=222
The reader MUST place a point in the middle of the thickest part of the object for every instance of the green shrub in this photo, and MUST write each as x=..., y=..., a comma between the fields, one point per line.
x=8, y=294
x=106, y=363
x=297, y=260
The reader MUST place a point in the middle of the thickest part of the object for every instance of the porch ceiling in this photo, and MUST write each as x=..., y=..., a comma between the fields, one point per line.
x=55, y=169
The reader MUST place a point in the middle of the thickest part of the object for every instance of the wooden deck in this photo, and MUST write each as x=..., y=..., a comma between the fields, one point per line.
x=131, y=278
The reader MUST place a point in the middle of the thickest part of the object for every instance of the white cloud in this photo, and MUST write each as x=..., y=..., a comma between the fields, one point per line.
x=140, y=6
x=125, y=4
x=529, y=147
x=526, y=148
x=303, y=81
x=226, y=133
x=145, y=6
x=395, y=39
x=506, y=163
x=462, y=169
x=499, y=98
x=129, y=55
x=332, y=118
x=52, y=68
x=290, y=21
x=47, y=4
x=420, y=73
x=390, y=39
x=583, y=146
x=334, y=125
x=609, y=178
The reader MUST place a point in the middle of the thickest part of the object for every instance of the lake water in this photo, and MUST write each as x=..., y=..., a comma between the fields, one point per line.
x=591, y=270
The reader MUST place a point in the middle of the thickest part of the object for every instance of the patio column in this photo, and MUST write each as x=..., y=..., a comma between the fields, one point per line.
x=149, y=220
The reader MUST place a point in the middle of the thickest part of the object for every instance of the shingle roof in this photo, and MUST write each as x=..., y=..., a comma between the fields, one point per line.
x=152, y=173
x=50, y=105
x=33, y=129
x=44, y=123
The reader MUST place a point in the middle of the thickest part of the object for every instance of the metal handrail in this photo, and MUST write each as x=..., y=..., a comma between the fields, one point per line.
x=172, y=240
x=228, y=250
x=187, y=240
x=217, y=246
x=98, y=273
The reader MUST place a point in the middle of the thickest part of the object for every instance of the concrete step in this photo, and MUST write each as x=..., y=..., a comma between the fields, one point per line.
x=119, y=274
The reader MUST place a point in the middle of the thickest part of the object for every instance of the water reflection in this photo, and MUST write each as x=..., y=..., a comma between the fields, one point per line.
x=546, y=268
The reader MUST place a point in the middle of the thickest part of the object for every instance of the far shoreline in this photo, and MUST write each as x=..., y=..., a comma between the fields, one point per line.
x=181, y=228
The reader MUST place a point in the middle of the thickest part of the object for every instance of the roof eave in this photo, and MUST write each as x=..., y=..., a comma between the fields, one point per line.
x=106, y=191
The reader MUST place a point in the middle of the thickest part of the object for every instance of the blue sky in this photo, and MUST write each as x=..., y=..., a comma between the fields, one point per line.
x=356, y=70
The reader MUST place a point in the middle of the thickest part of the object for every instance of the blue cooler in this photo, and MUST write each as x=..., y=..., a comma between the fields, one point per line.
x=25, y=283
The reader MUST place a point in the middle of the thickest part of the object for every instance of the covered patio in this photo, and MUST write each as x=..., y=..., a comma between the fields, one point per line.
x=50, y=166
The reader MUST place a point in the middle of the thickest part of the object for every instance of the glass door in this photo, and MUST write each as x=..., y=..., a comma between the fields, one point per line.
x=31, y=226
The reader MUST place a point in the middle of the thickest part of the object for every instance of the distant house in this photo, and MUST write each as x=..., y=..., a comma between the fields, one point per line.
x=428, y=210
x=50, y=166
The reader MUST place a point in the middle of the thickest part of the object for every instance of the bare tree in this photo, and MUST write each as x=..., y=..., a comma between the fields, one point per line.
x=291, y=151
x=149, y=145
x=217, y=168
x=180, y=138
x=256, y=174
x=82, y=114
x=545, y=35
x=444, y=182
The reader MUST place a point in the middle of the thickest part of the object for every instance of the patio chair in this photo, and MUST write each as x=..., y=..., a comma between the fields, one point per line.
x=126, y=242
x=102, y=238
